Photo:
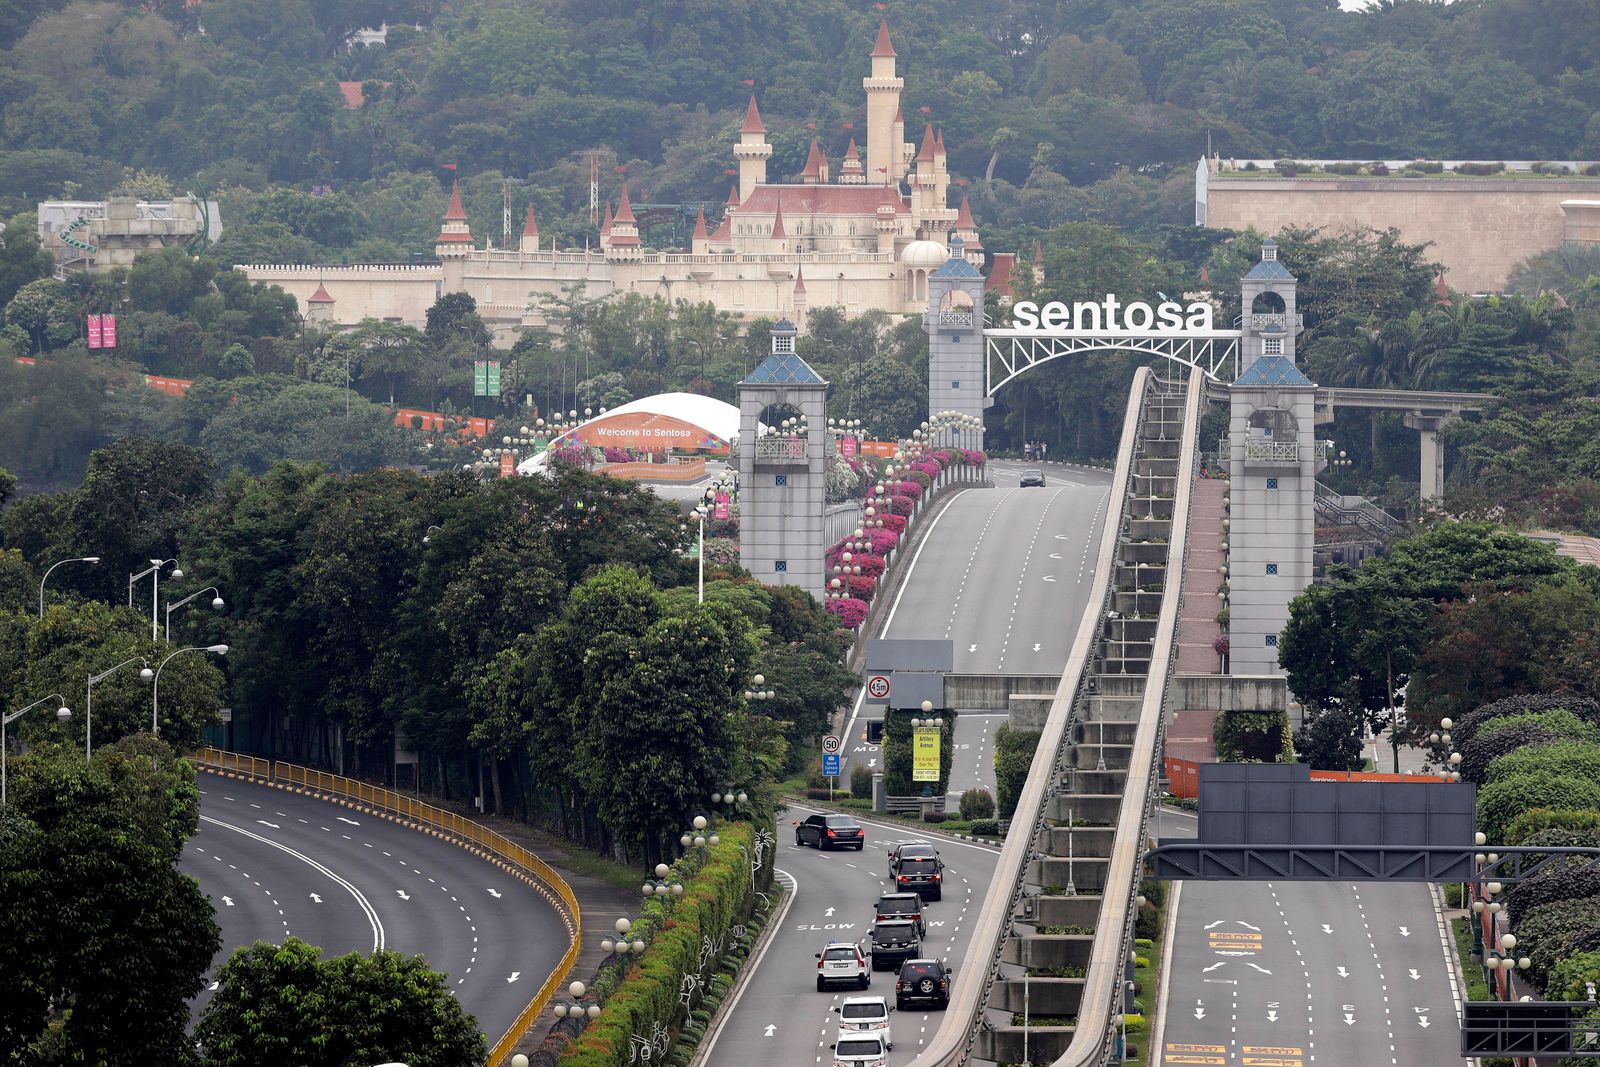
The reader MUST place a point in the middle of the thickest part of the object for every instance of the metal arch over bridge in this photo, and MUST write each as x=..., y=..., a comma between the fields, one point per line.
x=1010, y=352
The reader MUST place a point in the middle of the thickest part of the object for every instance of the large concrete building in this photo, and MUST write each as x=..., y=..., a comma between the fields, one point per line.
x=1479, y=228
x=864, y=235
x=96, y=235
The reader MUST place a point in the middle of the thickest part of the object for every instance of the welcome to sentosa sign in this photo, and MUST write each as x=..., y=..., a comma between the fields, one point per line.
x=1110, y=315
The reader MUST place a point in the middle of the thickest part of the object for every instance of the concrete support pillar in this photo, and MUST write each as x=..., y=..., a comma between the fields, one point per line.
x=1432, y=474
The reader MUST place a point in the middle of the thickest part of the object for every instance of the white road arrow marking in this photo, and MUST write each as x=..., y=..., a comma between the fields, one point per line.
x=1247, y=926
x=1422, y=1021
x=214, y=985
x=228, y=901
x=1258, y=967
x=1272, y=1016
x=771, y=1029
x=1199, y=1013
x=1349, y=1020
x=872, y=763
x=352, y=822
x=264, y=822
x=1404, y=932
x=1219, y=922
x=1049, y=577
x=972, y=648
x=1036, y=646
x=1343, y=973
x=315, y=899
x=403, y=894
x=1055, y=555
x=1327, y=929
x=1414, y=975
x=514, y=976
x=495, y=893
x=828, y=914
x=1214, y=966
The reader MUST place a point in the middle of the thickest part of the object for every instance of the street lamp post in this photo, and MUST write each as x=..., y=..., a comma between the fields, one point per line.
x=53, y=566
x=154, y=570
x=662, y=885
x=145, y=673
x=155, y=689
x=62, y=712
x=216, y=604
x=618, y=948
x=576, y=1008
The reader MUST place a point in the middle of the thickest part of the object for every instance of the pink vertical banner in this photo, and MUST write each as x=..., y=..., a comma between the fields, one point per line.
x=847, y=446
x=722, y=509
x=94, y=331
x=108, y=331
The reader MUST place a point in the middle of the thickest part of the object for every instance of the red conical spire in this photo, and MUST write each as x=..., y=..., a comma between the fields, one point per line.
x=851, y=151
x=964, y=219
x=814, y=162
x=926, y=154
x=320, y=296
x=778, y=233
x=883, y=47
x=455, y=212
x=733, y=195
x=605, y=227
x=724, y=231
x=530, y=225
x=624, y=209
x=700, y=225
x=799, y=280
x=752, y=118
x=938, y=142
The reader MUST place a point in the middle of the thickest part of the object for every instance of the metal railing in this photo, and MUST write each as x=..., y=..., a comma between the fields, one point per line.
x=1272, y=451
x=955, y=318
x=1366, y=516
x=781, y=448
x=1267, y=322
x=496, y=844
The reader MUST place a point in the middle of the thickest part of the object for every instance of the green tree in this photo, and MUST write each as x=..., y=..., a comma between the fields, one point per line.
x=284, y=1004
x=41, y=310
x=22, y=260
x=455, y=315
x=168, y=280
x=104, y=941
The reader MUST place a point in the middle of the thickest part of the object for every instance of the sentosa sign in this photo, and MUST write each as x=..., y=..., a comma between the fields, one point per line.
x=1110, y=315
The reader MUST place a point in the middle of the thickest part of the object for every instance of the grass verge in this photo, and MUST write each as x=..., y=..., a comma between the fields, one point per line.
x=1471, y=972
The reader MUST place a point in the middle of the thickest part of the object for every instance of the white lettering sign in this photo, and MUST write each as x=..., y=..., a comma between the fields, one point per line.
x=1110, y=315
x=647, y=431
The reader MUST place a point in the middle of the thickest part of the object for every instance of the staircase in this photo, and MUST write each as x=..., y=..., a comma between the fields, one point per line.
x=1335, y=510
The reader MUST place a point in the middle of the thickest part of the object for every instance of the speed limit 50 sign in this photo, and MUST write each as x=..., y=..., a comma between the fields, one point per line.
x=878, y=687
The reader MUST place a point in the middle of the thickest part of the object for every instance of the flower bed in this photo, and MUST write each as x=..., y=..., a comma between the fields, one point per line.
x=849, y=611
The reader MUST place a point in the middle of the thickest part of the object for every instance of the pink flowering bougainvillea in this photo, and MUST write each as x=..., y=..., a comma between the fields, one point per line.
x=885, y=539
x=895, y=524
x=862, y=587
x=850, y=612
x=902, y=505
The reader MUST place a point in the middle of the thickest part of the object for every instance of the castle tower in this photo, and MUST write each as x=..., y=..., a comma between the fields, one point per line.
x=530, y=232
x=954, y=321
x=752, y=151
x=941, y=172
x=699, y=242
x=780, y=236
x=923, y=182
x=454, y=242
x=605, y=228
x=1273, y=463
x=967, y=231
x=624, y=243
x=883, y=111
x=781, y=533
x=900, y=156
x=850, y=170
x=802, y=303
x=886, y=224
x=816, y=170
x=319, y=305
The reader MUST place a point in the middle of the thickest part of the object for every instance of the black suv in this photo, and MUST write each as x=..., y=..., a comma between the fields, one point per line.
x=901, y=906
x=923, y=982
x=830, y=831
x=893, y=942
x=925, y=877
x=909, y=850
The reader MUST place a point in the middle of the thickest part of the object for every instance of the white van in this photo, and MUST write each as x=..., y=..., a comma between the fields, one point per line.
x=859, y=1015
x=860, y=1050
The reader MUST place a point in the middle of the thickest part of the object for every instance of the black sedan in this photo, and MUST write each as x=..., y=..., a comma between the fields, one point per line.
x=830, y=831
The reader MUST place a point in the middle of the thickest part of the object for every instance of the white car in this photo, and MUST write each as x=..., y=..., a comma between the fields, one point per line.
x=860, y=1050
x=842, y=961
x=862, y=1015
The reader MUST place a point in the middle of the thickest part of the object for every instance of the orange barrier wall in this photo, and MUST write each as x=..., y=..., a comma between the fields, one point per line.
x=1371, y=776
x=691, y=471
x=1183, y=777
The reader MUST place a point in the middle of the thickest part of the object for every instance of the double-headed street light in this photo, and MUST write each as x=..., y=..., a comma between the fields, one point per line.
x=697, y=836
x=154, y=570
x=576, y=1008
x=53, y=566
x=620, y=946
x=145, y=673
x=216, y=604
x=155, y=691
x=662, y=885
x=63, y=713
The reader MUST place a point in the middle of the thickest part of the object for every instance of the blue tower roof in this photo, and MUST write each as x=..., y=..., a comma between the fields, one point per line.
x=955, y=267
x=784, y=369
x=1272, y=370
x=1269, y=270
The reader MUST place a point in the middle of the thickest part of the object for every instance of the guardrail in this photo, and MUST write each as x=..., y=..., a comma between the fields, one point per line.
x=952, y=1041
x=399, y=804
x=1272, y=452
x=1368, y=516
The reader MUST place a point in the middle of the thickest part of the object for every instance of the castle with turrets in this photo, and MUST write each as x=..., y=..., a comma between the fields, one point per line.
x=865, y=236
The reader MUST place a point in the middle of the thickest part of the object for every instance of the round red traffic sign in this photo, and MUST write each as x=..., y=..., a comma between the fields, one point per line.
x=878, y=686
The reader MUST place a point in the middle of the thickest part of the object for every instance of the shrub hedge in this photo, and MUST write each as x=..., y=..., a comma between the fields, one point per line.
x=1013, y=756
x=1500, y=802
x=717, y=898
x=1575, y=758
x=1554, y=826
x=1469, y=724
x=977, y=804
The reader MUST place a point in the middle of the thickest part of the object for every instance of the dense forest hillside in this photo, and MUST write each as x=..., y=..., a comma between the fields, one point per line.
x=1052, y=112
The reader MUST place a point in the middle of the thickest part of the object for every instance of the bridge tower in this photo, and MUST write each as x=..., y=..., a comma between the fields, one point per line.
x=781, y=505
x=1273, y=465
x=954, y=322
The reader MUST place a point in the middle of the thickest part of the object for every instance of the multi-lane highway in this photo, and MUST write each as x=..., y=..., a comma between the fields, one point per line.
x=276, y=863
x=779, y=1018
x=1004, y=573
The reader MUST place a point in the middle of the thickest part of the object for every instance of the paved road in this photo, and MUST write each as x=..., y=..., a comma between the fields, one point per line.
x=276, y=863
x=779, y=1018
x=1289, y=974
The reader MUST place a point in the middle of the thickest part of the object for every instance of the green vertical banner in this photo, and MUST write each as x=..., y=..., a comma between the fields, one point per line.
x=480, y=377
x=492, y=378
